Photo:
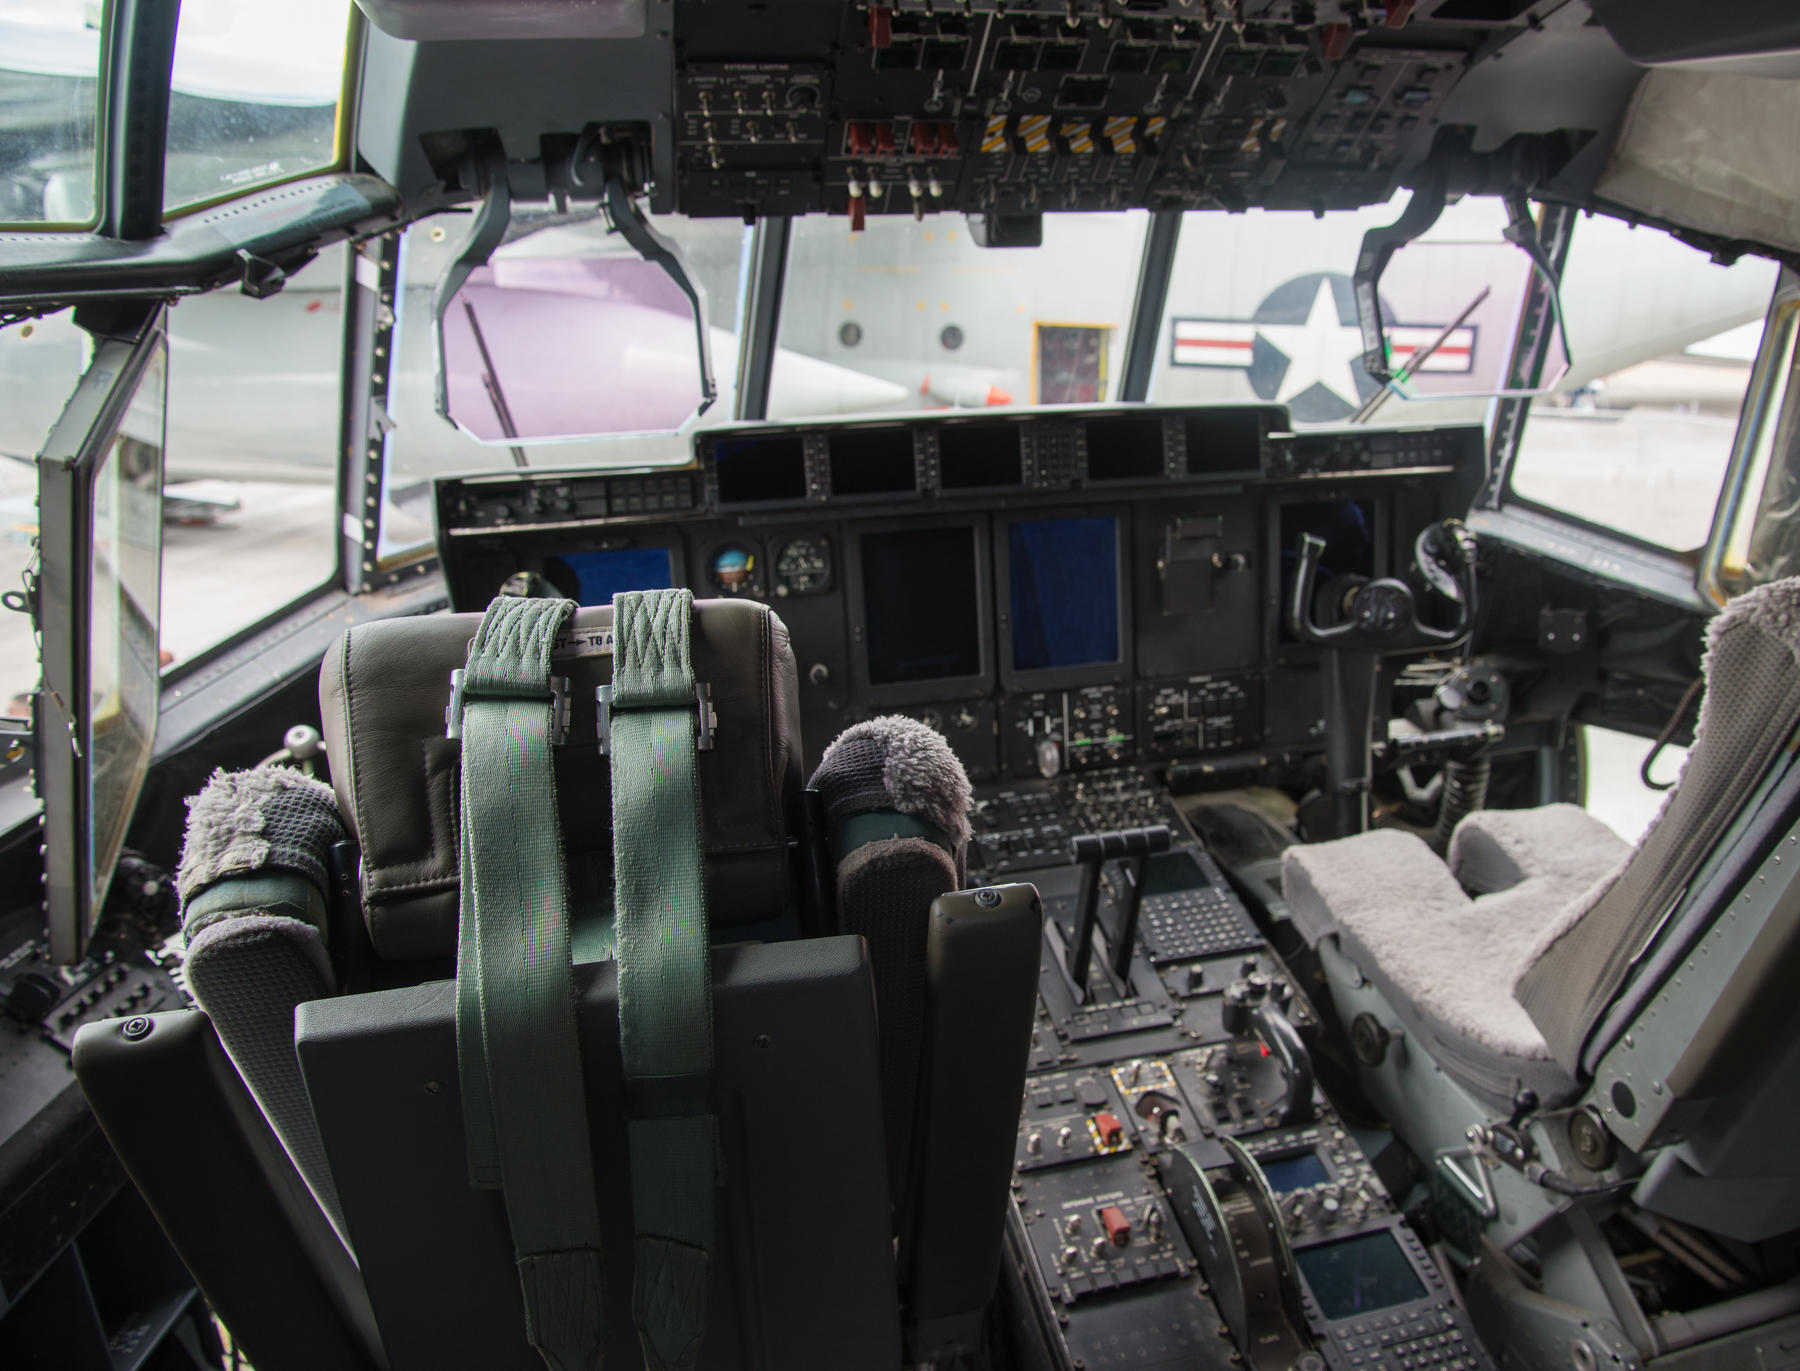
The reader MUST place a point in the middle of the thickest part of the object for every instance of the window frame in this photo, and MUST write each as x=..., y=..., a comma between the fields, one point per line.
x=1774, y=389
x=72, y=456
x=1510, y=417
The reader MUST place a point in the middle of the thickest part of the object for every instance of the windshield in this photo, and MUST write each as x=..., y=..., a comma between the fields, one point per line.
x=918, y=316
x=914, y=316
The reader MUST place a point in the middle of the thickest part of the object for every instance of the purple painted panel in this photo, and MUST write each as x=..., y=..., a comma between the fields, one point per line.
x=578, y=347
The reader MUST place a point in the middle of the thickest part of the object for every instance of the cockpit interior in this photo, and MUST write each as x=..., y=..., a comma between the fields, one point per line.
x=989, y=685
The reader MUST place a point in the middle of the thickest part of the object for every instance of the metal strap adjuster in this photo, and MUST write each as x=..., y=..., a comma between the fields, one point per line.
x=561, y=707
x=706, y=719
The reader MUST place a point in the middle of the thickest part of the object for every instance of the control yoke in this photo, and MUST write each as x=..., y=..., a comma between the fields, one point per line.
x=1382, y=616
x=1376, y=620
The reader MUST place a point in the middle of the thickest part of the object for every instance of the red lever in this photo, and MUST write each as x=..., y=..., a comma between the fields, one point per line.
x=1118, y=1227
x=884, y=140
x=881, y=26
x=1111, y=1131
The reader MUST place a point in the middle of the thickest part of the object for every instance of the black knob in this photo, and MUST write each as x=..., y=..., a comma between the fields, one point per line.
x=1525, y=1102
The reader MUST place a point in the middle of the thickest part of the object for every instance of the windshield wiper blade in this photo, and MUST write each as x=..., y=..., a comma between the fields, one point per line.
x=1418, y=359
x=490, y=380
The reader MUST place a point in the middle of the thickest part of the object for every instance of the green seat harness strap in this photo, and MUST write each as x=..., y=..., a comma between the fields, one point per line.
x=658, y=718
x=524, y=1102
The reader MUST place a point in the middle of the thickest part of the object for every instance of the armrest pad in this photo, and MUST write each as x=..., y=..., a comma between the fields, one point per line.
x=981, y=994
x=219, y=1182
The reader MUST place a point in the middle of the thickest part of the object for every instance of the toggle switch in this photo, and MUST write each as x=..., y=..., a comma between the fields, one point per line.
x=1117, y=1226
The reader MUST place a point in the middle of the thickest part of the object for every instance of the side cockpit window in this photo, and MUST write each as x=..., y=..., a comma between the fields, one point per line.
x=1637, y=434
x=255, y=97
x=50, y=73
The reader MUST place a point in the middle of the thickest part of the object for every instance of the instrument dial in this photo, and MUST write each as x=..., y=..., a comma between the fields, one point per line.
x=732, y=570
x=803, y=567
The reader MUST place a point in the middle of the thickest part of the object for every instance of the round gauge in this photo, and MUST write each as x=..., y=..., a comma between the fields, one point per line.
x=803, y=567
x=733, y=570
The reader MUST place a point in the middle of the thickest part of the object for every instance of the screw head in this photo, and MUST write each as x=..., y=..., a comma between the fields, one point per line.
x=987, y=897
x=138, y=1026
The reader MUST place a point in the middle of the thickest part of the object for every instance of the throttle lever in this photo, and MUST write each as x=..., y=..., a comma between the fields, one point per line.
x=1250, y=1011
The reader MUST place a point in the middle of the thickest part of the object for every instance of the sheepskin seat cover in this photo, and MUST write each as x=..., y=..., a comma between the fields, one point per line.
x=1447, y=961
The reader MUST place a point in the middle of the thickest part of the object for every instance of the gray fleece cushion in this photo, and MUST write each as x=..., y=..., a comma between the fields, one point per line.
x=1495, y=849
x=896, y=763
x=1443, y=961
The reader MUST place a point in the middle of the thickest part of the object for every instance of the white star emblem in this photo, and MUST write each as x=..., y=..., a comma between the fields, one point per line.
x=1322, y=351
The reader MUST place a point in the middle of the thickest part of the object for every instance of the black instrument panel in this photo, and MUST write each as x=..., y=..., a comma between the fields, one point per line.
x=1057, y=592
x=1024, y=106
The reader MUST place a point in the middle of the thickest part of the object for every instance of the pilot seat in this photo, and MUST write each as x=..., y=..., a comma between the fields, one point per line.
x=1558, y=1023
x=348, y=1146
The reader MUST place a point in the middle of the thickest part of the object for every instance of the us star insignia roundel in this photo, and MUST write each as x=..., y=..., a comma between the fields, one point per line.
x=1302, y=347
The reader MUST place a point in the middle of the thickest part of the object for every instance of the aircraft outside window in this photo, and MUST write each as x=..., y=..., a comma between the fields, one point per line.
x=255, y=99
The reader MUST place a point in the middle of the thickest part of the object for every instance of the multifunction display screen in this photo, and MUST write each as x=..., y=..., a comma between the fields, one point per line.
x=754, y=471
x=920, y=613
x=1295, y=1172
x=1170, y=873
x=1359, y=1275
x=593, y=578
x=1064, y=575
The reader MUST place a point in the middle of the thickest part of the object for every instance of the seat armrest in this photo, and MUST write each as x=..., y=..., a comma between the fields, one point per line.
x=224, y=1190
x=981, y=980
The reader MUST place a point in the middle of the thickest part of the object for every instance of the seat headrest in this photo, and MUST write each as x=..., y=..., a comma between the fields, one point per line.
x=382, y=694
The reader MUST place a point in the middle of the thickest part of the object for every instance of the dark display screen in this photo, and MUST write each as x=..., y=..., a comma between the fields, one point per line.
x=755, y=470
x=872, y=461
x=1348, y=528
x=593, y=578
x=1065, y=592
x=976, y=455
x=1170, y=873
x=1294, y=1173
x=1224, y=440
x=1124, y=449
x=919, y=604
x=1359, y=1275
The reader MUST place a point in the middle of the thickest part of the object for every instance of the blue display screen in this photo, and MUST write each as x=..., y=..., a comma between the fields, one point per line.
x=601, y=575
x=1294, y=1173
x=1359, y=1275
x=1065, y=592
